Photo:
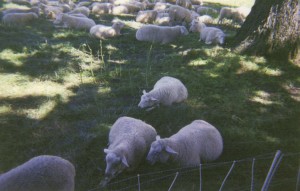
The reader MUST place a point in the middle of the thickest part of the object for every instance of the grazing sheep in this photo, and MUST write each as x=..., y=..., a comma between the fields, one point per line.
x=19, y=18
x=166, y=91
x=41, y=173
x=129, y=142
x=147, y=16
x=120, y=9
x=205, y=10
x=210, y=35
x=190, y=146
x=82, y=10
x=101, y=8
x=180, y=15
x=236, y=14
x=184, y=3
x=35, y=10
x=103, y=32
x=160, y=34
x=69, y=21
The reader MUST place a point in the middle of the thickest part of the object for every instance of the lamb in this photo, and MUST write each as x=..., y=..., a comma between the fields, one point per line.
x=19, y=18
x=160, y=34
x=147, y=16
x=210, y=35
x=129, y=142
x=103, y=32
x=180, y=15
x=166, y=91
x=236, y=14
x=192, y=145
x=74, y=22
x=45, y=172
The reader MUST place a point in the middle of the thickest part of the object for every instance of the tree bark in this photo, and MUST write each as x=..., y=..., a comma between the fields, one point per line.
x=271, y=28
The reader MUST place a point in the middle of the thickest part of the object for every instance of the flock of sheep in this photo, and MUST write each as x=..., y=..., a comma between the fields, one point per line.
x=163, y=22
x=130, y=140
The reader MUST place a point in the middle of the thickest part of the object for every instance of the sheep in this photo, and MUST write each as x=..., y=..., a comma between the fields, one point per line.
x=101, y=8
x=160, y=34
x=184, y=3
x=103, y=32
x=166, y=91
x=19, y=18
x=210, y=35
x=197, y=24
x=50, y=12
x=147, y=16
x=192, y=145
x=120, y=9
x=132, y=8
x=205, y=19
x=161, y=6
x=162, y=19
x=202, y=10
x=180, y=15
x=45, y=172
x=74, y=22
x=82, y=10
x=238, y=15
x=35, y=10
x=129, y=142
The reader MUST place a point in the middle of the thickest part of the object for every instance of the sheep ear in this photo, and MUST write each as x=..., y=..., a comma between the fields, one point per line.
x=106, y=151
x=157, y=137
x=170, y=150
x=144, y=92
x=153, y=99
x=124, y=161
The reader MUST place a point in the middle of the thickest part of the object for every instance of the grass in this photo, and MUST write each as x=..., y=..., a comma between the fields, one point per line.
x=61, y=91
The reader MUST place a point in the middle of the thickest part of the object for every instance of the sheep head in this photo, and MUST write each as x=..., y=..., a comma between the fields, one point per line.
x=220, y=38
x=160, y=152
x=147, y=100
x=115, y=164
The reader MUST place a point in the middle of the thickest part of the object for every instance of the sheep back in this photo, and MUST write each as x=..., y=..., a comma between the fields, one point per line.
x=19, y=18
x=44, y=172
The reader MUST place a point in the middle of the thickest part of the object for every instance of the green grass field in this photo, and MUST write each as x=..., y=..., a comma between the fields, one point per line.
x=61, y=91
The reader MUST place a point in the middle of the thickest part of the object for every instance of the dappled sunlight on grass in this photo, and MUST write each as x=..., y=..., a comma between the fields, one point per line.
x=17, y=59
x=264, y=98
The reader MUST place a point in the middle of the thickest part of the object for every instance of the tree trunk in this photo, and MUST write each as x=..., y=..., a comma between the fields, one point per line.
x=271, y=28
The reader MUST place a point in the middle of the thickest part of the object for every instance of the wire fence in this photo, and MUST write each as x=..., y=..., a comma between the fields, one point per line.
x=271, y=171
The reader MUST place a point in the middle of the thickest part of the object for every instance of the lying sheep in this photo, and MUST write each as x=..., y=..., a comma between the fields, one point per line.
x=147, y=16
x=190, y=146
x=129, y=142
x=210, y=35
x=180, y=15
x=161, y=6
x=101, y=8
x=69, y=21
x=206, y=19
x=166, y=91
x=197, y=24
x=202, y=10
x=160, y=34
x=19, y=18
x=237, y=15
x=120, y=9
x=35, y=10
x=50, y=12
x=82, y=10
x=41, y=173
x=162, y=19
x=103, y=32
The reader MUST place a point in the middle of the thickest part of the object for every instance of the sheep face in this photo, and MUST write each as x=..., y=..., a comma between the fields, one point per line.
x=220, y=38
x=114, y=164
x=147, y=100
x=159, y=152
x=58, y=19
x=183, y=30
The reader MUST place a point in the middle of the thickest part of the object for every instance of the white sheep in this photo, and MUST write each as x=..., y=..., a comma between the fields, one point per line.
x=210, y=35
x=101, y=8
x=119, y=9
x=41, y=173
x=192, y=145
x=69, y=21
x=202, y=10
x=35, y=10
x=162, y=19
x=132, y=8
x=104, y=32
x=129, y=142
x=19, y=18
x=166, y=91
x=147, y=16
x=236, y=14
x=50, y=12
x=160, y=34
x=82, y=10
x=197, y=24
x=180, y=15
x=206, y=19
x=161, y=6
